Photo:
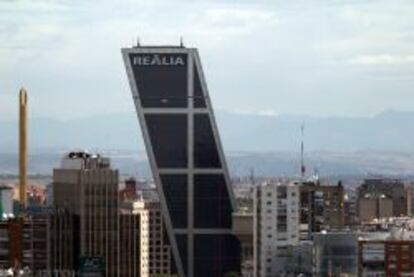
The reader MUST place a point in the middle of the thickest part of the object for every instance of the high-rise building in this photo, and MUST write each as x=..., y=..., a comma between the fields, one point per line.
x=186, y=157
x=129, y=245
x=276, y=227
x=155, y=250
x=85, y=195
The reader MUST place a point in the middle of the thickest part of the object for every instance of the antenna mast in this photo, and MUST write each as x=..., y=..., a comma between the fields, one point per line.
x=302, y=149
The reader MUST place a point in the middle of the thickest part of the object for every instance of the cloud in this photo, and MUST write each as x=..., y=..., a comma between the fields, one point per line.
x=258, y=56
x=384, y=59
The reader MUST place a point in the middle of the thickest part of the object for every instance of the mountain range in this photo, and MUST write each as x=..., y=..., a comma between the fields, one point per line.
x=388, y=131
x=382, y=144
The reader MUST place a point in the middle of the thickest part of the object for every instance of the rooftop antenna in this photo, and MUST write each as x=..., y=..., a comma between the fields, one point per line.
x=252, y=177
x=302, y=149
x=138, y=42
x=181, y=41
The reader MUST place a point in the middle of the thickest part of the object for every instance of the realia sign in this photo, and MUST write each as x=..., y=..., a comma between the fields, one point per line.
x=158, y=59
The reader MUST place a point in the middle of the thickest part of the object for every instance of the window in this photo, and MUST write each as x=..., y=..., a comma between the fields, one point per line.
x=168, y=135
x=205, y=147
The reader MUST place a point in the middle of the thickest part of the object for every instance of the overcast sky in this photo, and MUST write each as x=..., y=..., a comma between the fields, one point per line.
x=315, y=57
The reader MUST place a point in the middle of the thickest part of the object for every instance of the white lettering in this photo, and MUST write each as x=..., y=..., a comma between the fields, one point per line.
x=156, y=59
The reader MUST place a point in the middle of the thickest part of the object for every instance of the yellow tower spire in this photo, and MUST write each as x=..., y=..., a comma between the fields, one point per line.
x=23, y=146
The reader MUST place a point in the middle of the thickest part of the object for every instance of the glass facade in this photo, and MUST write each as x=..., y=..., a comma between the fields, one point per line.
x=168, y=135
x=180, y=134
x=205, y=148
x=215, y=255
x=199, y=98
x=175, y=192
x=160, y=82
x=212, y=208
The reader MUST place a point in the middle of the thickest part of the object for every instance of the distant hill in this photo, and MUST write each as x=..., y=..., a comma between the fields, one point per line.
x=388, y=131
x=382, y=144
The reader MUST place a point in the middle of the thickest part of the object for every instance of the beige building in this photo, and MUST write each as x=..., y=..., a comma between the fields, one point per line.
x=243, y=230
x=85, y=194
x=155, y=250
x=374, y=206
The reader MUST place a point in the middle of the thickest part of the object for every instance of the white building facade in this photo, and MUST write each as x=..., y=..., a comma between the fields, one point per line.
x=276, y=227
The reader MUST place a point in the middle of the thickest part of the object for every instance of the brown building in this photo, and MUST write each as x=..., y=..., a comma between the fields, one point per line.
x=373, y=206
x=85, y=197
x=129, y=240
x=386, y=257
x=385, y=188
x=23, y=243
x=321, y=208
x=243, y=230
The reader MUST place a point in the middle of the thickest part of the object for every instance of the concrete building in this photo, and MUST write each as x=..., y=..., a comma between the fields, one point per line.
x=350, y=210
x=372, y=207
x=386, y=254
x=321, y=208
x=385, y=188
x=276, y=227
x=6, y=201
x=155, y=250
x=243, y=230
x=85, y=198
x=335, y=254
x=186, y=157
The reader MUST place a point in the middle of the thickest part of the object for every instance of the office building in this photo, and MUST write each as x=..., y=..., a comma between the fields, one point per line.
x=321, y=208
x=385, y=188
x=335, y=254
x=85, y=197
x=186, y=157
x=276, y=227
x=372, y=207
x=129, y=245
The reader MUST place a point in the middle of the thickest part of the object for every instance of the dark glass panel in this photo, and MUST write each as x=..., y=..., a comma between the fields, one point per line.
x=168, y=135
x=182, y=250
x=212, y=207
x=205, y=147
x=199, y=100
x=175, y=192
x=161, y=79
x=216, y=255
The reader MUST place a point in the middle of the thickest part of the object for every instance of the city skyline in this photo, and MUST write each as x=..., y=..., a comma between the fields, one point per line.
x=340, y=51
